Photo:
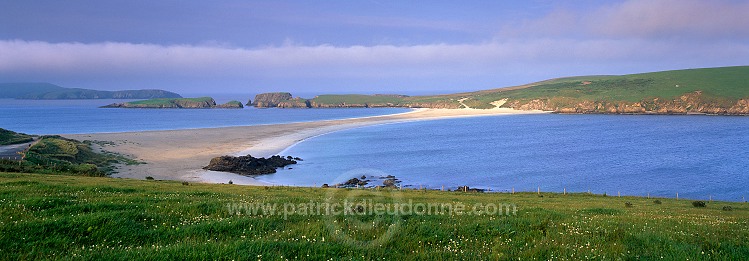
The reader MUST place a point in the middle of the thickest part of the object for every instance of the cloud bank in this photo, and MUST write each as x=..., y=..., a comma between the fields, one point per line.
x=628, y=37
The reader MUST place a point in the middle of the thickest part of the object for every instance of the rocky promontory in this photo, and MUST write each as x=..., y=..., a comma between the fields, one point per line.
x=249, y=165
x=270, y=100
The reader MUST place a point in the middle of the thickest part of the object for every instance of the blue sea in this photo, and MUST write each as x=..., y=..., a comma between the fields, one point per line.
x=697, y=157
x=84, y=116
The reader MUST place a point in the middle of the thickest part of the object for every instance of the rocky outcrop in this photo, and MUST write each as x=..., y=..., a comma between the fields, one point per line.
x=270, y=100
x=689, y=103
x=248, y=165
x=294, y=103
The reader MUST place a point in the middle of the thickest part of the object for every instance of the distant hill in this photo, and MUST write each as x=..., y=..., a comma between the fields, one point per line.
x=17, y=90
x=48, y=91
x=723, y=90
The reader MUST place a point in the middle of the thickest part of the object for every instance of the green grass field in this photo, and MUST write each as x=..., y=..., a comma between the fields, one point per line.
x=69, y=217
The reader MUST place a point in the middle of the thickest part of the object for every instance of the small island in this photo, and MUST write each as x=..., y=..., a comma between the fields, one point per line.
x=178, y=103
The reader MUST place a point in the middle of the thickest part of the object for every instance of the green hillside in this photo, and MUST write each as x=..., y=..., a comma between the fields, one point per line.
x=722, y=90
x=728, y=83
x=88, y=218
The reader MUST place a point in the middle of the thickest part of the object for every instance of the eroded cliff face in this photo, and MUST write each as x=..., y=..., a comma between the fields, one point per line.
x=695, y=102
x=270, y=100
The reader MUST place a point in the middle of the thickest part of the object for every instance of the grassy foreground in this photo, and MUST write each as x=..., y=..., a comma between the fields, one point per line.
x=69, y=217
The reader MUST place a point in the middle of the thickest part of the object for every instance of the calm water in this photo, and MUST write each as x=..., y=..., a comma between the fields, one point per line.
x=84, y=116
x=696, y=156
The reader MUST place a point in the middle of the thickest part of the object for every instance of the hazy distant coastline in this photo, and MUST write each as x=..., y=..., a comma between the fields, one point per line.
x=48, y=91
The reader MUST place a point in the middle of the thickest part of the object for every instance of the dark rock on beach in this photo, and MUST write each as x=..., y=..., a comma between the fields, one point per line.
x=248, y=165
x=468, y=189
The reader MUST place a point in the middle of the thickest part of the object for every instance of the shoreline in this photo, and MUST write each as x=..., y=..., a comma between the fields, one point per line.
x=181, y=154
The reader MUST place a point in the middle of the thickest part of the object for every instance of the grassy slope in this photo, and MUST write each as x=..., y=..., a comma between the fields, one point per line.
x=10, y=137
x=57, y=155
x=59, y=217
x=727, y=82
x=730, y=83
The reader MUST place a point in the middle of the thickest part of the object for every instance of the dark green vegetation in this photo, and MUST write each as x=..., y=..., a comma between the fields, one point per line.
x=67, y=217
x=58, y=155
x=181, y=103
x=10, y=137
x=48, y=91
x=713, y=90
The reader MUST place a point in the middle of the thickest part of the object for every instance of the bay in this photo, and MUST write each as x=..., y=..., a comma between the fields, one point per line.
x=696, y=156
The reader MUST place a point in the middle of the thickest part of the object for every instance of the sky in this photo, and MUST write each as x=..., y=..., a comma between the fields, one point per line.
x=375, y=46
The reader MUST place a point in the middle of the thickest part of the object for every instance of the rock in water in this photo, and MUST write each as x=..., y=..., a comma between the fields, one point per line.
x=248, y=165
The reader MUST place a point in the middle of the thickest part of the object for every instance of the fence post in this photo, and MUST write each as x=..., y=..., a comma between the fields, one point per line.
x=677, y=195
x=565, y=191
x=619, y=194
x=539, y=190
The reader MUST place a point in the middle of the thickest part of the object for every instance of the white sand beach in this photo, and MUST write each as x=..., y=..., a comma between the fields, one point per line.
x=181, y=154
